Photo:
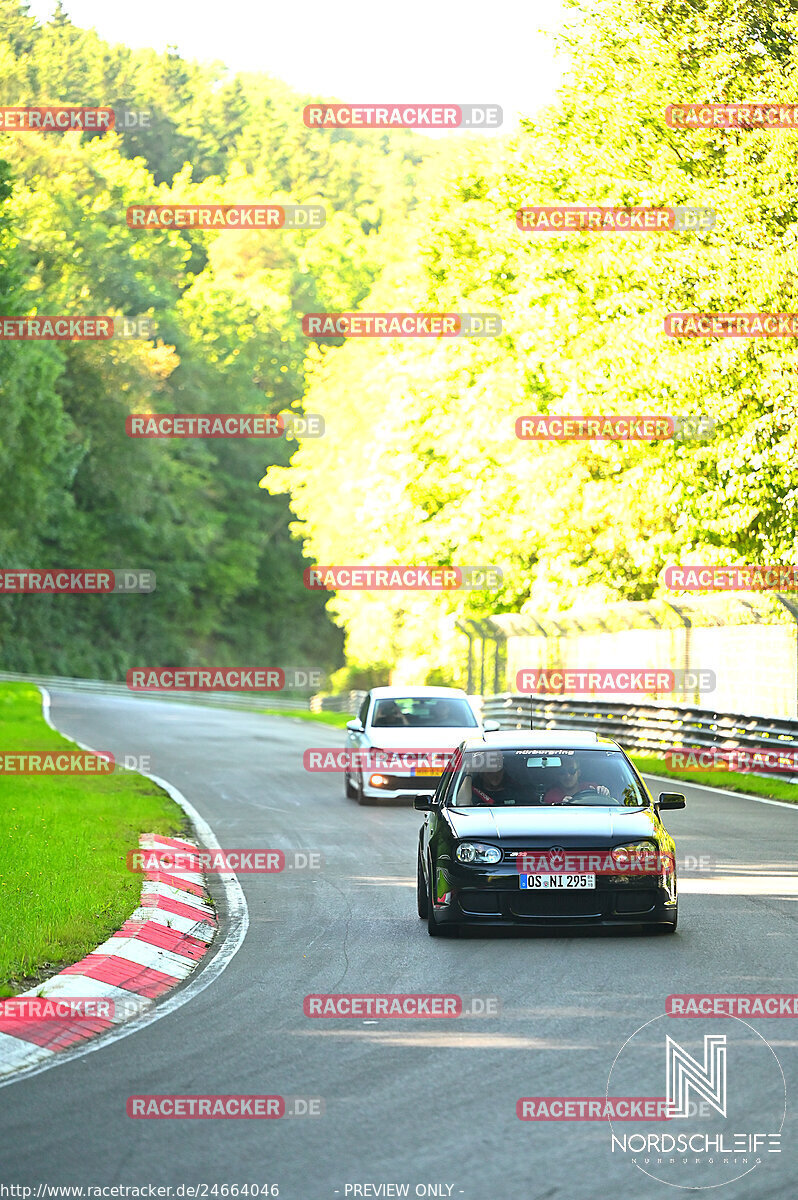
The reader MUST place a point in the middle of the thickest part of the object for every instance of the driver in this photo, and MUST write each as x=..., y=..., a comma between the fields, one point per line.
x=570, y=782
x=445, y=714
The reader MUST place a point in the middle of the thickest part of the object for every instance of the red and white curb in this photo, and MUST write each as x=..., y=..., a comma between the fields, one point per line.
x=158, y=946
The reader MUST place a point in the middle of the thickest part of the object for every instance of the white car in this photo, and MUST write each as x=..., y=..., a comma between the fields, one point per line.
x=402, y=738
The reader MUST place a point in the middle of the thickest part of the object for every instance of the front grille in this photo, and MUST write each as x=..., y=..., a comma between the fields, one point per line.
x=510, y=855
x=642, y=900
x=478, y=903
x=544, y=903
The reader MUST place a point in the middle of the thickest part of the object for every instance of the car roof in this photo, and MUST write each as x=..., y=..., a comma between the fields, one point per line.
x=385, y=693
x=543, y=739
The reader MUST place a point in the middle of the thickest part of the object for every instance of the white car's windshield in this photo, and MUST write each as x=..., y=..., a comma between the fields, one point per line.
x=423, y=712
x=547, y=777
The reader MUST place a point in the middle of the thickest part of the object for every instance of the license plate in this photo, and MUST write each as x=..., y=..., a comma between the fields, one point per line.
x=425, y=771
x=557, y=881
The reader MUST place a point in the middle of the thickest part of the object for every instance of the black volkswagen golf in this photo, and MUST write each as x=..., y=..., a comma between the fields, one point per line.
x=550, y=829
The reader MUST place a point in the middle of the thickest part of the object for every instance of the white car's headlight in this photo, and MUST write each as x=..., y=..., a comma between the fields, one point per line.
x=477, y=852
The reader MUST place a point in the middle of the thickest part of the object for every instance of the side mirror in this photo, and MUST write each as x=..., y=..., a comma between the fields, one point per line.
x=424, y=803
x=491, y=726
x=671, y=800
x=354, y=726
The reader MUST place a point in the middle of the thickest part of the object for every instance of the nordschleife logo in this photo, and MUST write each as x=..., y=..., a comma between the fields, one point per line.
x=724, y=1101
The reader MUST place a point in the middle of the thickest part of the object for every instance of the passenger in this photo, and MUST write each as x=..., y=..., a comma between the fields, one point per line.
x=491, y=787
x=389, y=715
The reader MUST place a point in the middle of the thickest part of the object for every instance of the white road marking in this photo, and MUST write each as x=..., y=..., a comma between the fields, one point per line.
x=741, y=885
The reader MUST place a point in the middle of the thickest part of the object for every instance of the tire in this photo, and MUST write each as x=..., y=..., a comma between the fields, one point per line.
x=350, y=791
x=422, y=900
x=433, y=928
x=361, y=799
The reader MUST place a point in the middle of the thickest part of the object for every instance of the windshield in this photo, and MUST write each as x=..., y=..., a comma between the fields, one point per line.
x=423, y=712
x=548, y=777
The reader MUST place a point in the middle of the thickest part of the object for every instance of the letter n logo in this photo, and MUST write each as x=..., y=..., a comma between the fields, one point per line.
x=707, y=1081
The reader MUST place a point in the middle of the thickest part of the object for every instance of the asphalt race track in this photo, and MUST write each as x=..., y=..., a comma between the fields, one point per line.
x=416, y=1102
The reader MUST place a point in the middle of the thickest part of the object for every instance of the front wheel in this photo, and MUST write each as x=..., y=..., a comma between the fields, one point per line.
x=422, y=901
x=445, y=929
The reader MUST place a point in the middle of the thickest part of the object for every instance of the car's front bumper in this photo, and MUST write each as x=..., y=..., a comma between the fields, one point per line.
x=475, y=897
x=401, y=788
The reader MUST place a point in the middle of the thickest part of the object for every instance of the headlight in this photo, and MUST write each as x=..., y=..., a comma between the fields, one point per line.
x=632, y=848
x=477, y=852
x=637, y=858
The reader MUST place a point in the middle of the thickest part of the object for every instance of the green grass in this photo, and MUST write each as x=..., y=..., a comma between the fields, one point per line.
x=339, y=720
x=64, y=883
x=734, y=781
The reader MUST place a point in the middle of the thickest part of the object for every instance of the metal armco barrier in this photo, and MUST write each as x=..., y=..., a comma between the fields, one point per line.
x=343, y=702
x=643, y=727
